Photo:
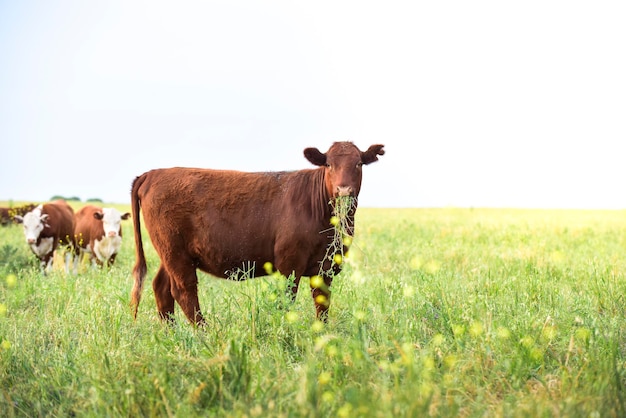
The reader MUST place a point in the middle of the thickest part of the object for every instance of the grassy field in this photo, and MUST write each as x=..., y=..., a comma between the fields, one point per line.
x=442, y=312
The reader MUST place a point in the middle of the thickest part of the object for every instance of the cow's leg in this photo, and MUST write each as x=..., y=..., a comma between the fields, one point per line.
x=78, y=260
x=111, y=260
x=184, y=288
x=95, y=261
x=44, y=267
x=69, y=260
x=320, y=290
x=163, y=294
x=46, y=263
x=292, y=287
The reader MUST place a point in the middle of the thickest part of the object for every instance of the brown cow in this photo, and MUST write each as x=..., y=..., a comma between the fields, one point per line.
x=7, y=215
x=220, y=221
x=46, y=227
x=98, y=231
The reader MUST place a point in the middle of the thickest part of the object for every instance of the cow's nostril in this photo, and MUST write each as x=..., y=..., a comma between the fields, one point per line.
x=344, y=191
x=112, y=233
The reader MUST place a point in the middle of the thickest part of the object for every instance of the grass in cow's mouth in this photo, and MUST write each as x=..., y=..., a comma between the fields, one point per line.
x=342, y=228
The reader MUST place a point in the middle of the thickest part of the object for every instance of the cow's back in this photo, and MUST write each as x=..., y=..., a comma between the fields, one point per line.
x=60, y=222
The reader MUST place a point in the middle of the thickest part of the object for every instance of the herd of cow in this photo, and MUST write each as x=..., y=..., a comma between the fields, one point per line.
x=91, y=230
x=217, y=221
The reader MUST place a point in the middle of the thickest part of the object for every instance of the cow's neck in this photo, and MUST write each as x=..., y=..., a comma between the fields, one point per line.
x=309, y=194
x=45, y=233
x=309, y=186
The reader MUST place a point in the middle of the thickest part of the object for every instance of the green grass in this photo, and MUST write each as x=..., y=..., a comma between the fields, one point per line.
x=442, y=312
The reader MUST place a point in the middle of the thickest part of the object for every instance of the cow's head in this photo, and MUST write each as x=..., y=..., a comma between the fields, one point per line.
x=34, y=222
x=343, y=163
x=111, y=221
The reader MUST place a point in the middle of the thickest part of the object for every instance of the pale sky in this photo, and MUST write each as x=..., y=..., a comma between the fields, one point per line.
x=479, y=103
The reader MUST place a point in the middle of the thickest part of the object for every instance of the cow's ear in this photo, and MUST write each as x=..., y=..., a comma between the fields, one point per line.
x=315, y=156
x=18, y=219
x=44, y=219
x=372, y=154
x=126, y=216
x=98, y=215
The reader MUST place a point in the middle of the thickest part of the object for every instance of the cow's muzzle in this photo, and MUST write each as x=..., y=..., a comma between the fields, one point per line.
x=344, y=191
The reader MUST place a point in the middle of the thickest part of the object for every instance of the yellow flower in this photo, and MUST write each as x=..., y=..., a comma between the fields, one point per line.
x=583, y=334
x=408, y=291
x=321, y=300
x=438, y=340
x=360, y=315
x=338, y=259
x=328, y=397
x=503, y=333
x=476, y=329
x=316, y=282
x=416, y=263
x=432, y=266
x=321, y=341
x=536, y=354
x=334, y=221
x=291, y=317
x=324, y=378
x=548, y=333
x=11, y=281
x=331, y=351
x=425, y=389
x=5, y=345
x=428, y=363
x=527, y=341
x=317, y=326
x=450, y=361
x=257, y=411
x=345, y=410
x=458, y=330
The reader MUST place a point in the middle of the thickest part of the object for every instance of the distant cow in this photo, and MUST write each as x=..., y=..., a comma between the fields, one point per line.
x=7, y=215
x=220, y=221
x=98, y=231
x=46, y=227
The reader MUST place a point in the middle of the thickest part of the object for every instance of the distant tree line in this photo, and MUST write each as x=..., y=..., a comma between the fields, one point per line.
x=75, y=199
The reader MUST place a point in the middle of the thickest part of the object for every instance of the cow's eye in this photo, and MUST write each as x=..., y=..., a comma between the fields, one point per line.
x=359, y=164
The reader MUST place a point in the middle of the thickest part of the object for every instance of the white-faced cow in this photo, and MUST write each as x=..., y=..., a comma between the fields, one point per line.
x=218, y=221
x=46, y=227
x=98, y=231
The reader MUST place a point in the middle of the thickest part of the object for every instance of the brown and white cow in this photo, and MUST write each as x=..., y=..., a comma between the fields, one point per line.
x=98, y=231
x=46, y=227
x=220, y=221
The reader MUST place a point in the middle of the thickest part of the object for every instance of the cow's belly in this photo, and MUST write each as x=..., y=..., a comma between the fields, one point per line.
x=235, y=265
x=106, y=247
x=249, y=258
x=44, y=248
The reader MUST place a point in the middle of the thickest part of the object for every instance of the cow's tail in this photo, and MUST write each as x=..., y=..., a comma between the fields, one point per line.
x=140, y=269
